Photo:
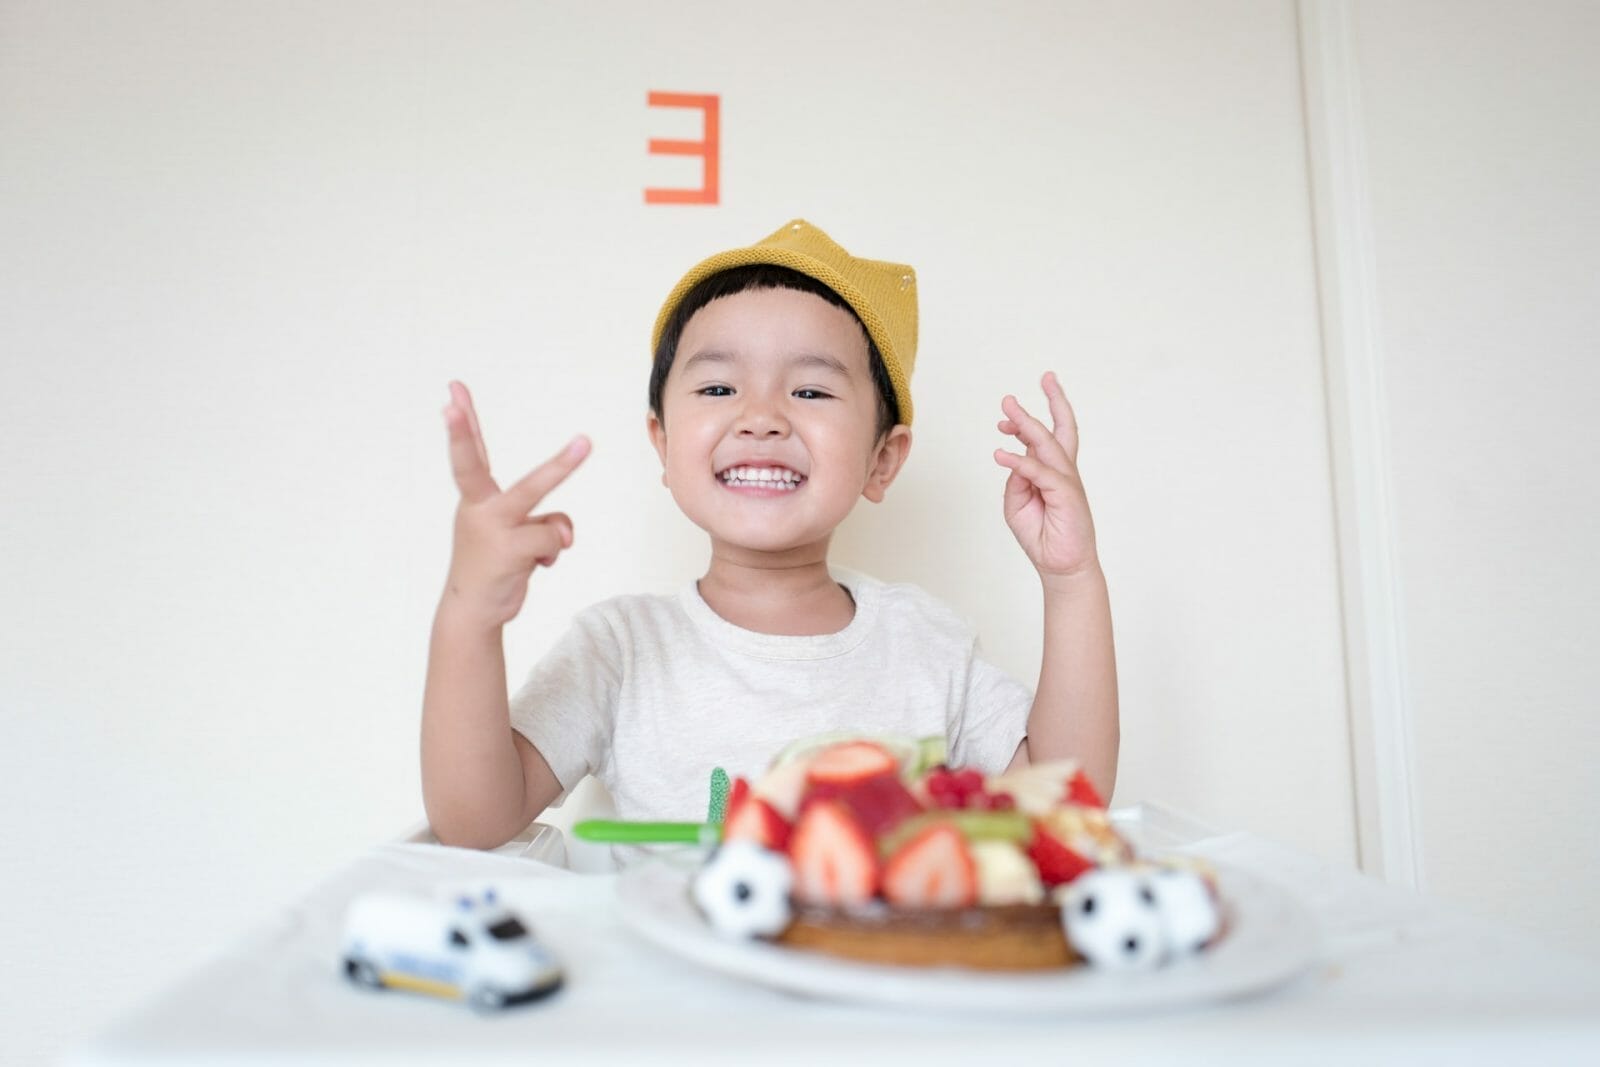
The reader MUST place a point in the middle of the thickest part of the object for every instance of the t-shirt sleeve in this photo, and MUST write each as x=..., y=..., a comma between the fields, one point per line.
x=994, y=718
x=567, y=706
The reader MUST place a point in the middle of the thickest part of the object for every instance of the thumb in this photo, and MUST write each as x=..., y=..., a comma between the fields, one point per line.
x=1018, y=493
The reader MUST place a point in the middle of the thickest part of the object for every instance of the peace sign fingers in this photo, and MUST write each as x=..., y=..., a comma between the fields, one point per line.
x=1033, y=434
x=498, y=543
x=1066, y=423
x=469, y=460
x=1044, y=501
x=525, y=494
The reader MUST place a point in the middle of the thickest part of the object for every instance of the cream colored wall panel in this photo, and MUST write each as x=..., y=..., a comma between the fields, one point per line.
x=1484, y=132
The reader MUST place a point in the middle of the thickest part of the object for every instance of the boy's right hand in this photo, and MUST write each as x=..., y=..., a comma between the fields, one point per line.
x=498, y=543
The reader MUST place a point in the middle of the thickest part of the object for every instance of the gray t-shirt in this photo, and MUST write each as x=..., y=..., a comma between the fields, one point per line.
x=650, y=693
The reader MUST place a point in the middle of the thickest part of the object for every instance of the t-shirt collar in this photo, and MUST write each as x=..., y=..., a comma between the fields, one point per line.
x=862, y=589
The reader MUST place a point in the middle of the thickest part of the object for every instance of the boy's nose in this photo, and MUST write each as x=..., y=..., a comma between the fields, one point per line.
x=761, y=430
x=761, y=419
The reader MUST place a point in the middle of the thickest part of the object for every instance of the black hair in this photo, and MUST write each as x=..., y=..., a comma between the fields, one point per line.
x=763, y=276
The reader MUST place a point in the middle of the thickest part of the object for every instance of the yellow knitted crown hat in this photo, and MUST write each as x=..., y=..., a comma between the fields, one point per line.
x=883, y=295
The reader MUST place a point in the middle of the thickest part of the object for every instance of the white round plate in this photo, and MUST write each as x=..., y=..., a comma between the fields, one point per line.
x=1270, y=940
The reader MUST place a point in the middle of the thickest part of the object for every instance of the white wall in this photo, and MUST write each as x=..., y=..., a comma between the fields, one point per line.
x=242, y=248
x=1483, y=126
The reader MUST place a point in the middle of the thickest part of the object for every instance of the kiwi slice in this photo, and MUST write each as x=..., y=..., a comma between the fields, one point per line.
x=931, y=751
x=972, y=825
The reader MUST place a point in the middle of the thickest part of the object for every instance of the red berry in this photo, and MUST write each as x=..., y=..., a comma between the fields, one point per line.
x=1081, y=791
x=753, y=819
x=850, y=761
x=941, y=788
x=736, y=795
x=932, y=870
x=1057, y=863
x=879, y=803
x=835, y=862
x=969, y=780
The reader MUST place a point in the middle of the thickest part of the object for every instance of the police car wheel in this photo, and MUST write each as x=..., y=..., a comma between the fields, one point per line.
x=488, y=998
x=362, y=973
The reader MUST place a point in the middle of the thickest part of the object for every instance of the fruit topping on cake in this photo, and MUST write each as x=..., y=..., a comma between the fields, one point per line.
x=872, y=849
x=1005, y=874
x=850, y=762
x=879, y=801
x=835, y=861
x=1053, y=858
x=753, y=818
x=934, y=869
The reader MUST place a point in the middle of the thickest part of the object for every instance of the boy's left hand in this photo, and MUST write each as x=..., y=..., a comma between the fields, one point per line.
x=1045, y=504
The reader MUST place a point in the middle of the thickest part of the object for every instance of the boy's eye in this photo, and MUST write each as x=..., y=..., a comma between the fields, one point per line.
x=811, y=394
x=714, y=390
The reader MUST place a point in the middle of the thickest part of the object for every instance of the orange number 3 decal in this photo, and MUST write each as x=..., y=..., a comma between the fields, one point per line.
x=709, y=149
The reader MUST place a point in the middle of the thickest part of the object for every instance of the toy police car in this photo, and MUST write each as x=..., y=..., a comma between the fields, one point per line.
x=476, y=950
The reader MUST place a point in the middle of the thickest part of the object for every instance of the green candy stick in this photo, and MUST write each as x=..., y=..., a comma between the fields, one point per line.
x=618, y=832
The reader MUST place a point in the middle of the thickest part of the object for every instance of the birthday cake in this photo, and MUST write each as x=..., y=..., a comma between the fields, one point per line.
x=875, y=850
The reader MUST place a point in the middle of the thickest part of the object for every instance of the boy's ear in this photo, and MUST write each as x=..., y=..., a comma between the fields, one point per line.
x=886, y=462
x=658, y=440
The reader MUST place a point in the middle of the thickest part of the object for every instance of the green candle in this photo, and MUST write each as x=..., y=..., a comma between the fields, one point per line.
x=720, y=787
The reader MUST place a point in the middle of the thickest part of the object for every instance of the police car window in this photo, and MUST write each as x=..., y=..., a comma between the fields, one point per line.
x=458, y=938
x=507, y=930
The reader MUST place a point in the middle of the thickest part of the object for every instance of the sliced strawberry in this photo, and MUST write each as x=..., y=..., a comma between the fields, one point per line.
x=1081, y=791
x=834, y=861
x=882, y=803
x=740, y=790
x=879, y=803
x=850, y=761
x=756, y=820
x=1057, y=863
x=781, y=787
x=934, y=869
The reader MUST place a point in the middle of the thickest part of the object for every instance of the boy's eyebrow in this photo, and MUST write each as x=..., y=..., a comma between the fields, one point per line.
x=819, y=359
x=800, y=359
x=707, y=355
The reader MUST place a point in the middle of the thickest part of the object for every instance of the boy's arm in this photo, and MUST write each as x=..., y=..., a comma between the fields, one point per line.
x=1074, y=710
x=1075, y=704
x=482, y=782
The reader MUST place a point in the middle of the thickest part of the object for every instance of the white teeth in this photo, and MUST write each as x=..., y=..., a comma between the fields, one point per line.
x=769, y=477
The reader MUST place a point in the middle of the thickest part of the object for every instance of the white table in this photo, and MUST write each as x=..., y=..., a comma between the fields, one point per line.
x=1401, y=979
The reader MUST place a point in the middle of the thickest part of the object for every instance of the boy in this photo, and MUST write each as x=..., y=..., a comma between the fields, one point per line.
x=780, y=395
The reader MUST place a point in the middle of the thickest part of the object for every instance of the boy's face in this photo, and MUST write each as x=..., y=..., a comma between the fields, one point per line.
x=770, y=422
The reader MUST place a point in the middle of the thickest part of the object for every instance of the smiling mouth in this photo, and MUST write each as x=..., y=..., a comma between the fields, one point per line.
x=778, y=478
